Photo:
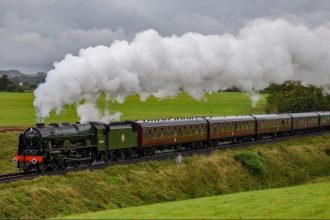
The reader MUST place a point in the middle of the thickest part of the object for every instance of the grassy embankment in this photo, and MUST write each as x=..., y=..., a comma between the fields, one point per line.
x=17, y=108
x=299, y=202
x=291, y=162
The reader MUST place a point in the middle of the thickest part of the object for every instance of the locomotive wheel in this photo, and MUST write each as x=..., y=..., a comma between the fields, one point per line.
x=26, y=168
x=90, y=162
x=75, y=164
x=41, y=168
x=64, y=164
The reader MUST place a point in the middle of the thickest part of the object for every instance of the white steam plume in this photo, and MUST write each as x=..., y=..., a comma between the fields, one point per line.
x=264, y=51
x=89, y=112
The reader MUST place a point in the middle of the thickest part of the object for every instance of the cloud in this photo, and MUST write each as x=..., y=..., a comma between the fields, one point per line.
x=36, y=33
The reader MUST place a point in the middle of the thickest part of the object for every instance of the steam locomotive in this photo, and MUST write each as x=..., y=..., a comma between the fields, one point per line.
x=58, y=146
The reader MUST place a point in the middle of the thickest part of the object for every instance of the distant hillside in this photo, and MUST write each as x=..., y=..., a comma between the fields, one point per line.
x=18, y=77
x=16, y=81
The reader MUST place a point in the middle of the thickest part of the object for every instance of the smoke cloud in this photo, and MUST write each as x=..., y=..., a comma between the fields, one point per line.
x=264, y=51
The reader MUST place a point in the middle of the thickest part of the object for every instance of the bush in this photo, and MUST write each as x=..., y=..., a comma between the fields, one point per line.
x=295, y=97
x=253, y=162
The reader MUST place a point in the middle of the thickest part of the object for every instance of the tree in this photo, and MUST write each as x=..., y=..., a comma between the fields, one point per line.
x=295, y=97
x=7, y=85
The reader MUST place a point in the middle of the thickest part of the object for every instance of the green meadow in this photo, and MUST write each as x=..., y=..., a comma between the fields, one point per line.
x=17, y=108
x=299, y=202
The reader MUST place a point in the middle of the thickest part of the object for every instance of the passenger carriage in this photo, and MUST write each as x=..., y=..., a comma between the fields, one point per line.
x=230, y=128
x=272, y=125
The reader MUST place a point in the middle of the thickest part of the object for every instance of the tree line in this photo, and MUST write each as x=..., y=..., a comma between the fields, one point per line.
x=292, y=96
x=8, y=85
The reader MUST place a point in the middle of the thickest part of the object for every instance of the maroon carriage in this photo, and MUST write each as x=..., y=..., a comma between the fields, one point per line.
x=224, y=128
x=273, y=124
x=171, y=132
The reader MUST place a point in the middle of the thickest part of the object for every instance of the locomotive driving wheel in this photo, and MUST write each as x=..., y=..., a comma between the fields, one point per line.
x=41, y=168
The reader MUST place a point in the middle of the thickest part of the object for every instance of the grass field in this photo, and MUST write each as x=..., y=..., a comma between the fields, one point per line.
x=17, y=108
x=299, y=202
x=291, y=162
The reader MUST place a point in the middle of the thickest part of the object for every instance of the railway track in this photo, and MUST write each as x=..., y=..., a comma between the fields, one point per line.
x=17, y=176
x=163, y=156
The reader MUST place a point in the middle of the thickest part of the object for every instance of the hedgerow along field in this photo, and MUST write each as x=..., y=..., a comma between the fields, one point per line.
x=17, y=108
x=299, y=202
x=291, y=162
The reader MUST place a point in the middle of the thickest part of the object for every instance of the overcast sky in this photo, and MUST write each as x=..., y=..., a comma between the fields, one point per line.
x=36, y=33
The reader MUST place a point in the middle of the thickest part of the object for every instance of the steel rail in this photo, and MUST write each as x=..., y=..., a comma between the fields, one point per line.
x=17, y=176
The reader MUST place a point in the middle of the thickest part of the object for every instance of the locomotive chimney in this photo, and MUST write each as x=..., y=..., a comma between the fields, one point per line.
x=40, y=125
